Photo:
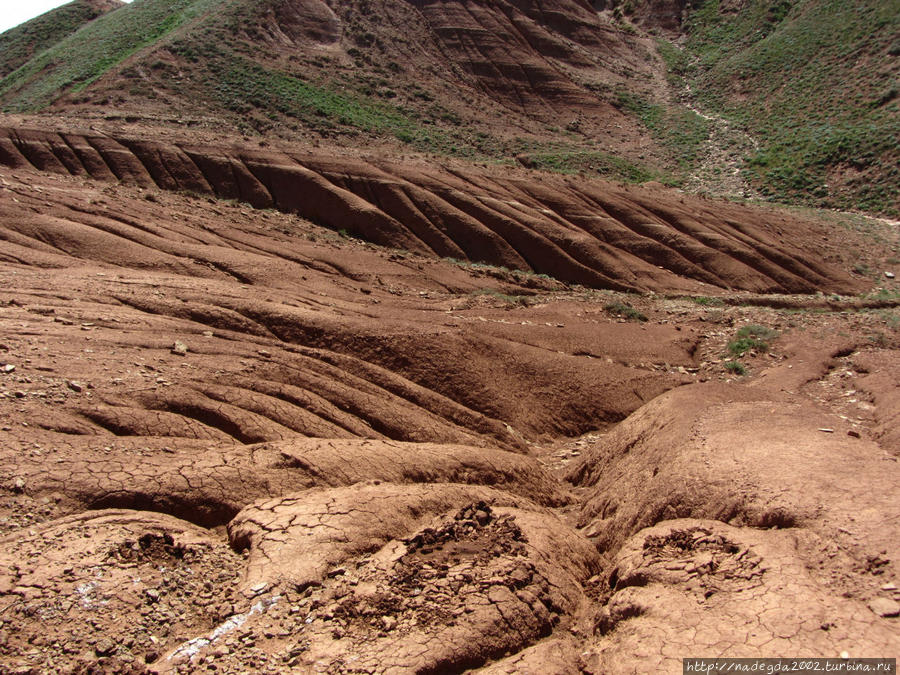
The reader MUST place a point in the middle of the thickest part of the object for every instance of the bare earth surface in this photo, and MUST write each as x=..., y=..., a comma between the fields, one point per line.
x=273, y=411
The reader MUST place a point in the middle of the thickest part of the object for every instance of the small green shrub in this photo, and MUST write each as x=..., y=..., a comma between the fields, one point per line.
x=752, y=337
x=508, y=299
x=756, y=331
x=624, y=310
x=708, y=302
x=735, y=367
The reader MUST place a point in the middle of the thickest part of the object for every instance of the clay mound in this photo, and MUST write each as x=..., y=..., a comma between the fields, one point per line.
x=875, y=370
x=298, y=539
x=477, y=582
x=481, y=583
x=110, y=591
x=743, y=456
x=592, y=233
x=692, y=587
x=209, y=484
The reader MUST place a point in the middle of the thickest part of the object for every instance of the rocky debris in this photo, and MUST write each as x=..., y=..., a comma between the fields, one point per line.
x=298, y=539
x=120, y=586
x=179, y=348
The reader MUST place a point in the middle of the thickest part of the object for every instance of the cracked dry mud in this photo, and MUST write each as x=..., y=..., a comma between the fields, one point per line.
x=235, y=441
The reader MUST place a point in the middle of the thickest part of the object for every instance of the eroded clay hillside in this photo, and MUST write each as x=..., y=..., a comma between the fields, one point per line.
x=323, y=349
x=236, y=440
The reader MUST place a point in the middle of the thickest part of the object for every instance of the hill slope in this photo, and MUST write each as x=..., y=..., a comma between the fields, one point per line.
x=563, y=85
x=19, y=44
x=815, y=82
x=476, y=79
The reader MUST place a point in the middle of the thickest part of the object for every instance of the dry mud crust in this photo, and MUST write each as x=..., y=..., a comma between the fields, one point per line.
x=298, y=538
x=593, y=233
x=748, y=457
x=208, y=484
x=109, y=591
x=474, y=584
x=690, y=587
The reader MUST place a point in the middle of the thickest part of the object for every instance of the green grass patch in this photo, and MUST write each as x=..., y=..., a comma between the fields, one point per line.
x=735, y=367
x=73, y=63
x=19, y=44
x=803, y=78
x=625, y=311
x=676, y=127
x=751, y=338
x=575, y=160
x=705, y=301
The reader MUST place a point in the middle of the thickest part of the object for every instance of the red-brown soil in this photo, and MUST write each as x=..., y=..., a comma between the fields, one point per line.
x=597, y=234
x=234, y=440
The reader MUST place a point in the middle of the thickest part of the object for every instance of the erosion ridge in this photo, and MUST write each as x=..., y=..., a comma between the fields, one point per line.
x=593, y=233
x=236, y=438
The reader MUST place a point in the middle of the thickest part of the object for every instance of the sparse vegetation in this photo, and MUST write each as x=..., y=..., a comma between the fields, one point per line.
x=735, y=367
x=498, y=271
x=751, y=338
x=567, y=159
x=19, y=44
x=678, y=128
x=625, y=311
x=800, y=78
x=704, y=301
x=511, y=300
x=73, y=63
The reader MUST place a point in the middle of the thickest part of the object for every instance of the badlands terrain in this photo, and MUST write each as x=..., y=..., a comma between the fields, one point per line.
x=238, y=441
x=310, y=363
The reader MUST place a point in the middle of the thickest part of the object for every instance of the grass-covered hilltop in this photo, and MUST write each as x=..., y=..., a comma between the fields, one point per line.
x=793, y=101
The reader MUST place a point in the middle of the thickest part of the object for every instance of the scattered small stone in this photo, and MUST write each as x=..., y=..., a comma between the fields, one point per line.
x=256, y=589
x=77, y=387
x=889, y=275
x=884, y=607
x=19, y=485
x=853, y=433
x=826, y=431
x=179, y=348
x=208, y=334
x=20, y=394
x=389, y=622
x=152, y=594
x=104, y=647
x=8, y=368
x=265, y=353
x=889, y=587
